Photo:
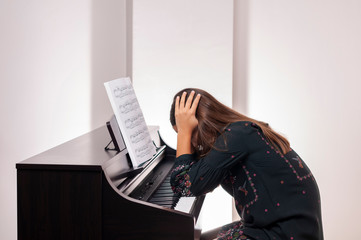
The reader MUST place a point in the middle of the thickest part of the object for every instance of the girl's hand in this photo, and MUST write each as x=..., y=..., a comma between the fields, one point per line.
x=185, y=112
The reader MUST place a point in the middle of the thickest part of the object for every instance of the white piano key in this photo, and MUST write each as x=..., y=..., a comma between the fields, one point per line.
x=185, y=204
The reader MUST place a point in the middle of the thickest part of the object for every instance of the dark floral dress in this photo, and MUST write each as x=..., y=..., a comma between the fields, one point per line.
x=276, y=195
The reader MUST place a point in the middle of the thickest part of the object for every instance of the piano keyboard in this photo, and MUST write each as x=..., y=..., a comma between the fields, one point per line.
x=164, y=196
x=155, y=188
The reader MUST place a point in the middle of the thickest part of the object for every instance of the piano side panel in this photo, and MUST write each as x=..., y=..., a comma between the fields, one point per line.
x=59, y=204
x=130, y=220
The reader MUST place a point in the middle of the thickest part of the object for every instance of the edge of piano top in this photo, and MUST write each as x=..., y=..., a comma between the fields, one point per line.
x=71, y=191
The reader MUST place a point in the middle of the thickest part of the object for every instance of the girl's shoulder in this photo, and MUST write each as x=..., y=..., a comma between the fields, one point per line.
x=243, y=124
x=242, y=127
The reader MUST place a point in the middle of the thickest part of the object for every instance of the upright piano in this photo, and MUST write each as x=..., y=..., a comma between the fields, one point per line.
x=78, y=190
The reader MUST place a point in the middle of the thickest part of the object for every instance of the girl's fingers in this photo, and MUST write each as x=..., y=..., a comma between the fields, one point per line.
x=195, y=103
x=181, y=103
x=182, y=100
x=189, y=100
x=176, y=104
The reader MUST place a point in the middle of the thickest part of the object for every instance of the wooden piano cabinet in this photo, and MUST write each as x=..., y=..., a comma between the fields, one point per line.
x=59, y=204
x=64, y=193
x=131, y=219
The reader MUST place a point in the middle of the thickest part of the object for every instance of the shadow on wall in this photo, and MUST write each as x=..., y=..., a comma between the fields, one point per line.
x=108, y=54
x=240, y=64
x=240, y=56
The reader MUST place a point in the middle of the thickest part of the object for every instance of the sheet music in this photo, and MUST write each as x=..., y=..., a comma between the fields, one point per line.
x=130, y=120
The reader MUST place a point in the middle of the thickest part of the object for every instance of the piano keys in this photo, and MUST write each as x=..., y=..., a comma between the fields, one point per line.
x=79, y=191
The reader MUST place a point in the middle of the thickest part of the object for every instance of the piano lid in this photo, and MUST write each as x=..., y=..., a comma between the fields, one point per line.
x=85, y=152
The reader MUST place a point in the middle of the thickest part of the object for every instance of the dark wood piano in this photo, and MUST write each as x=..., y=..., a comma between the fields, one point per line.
x=78, y=190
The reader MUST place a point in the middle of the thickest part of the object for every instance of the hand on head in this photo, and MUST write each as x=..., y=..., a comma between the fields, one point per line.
x=185, y=112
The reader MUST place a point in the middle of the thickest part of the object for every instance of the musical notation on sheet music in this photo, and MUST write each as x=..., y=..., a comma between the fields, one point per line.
x=139, y=135
x=120, y=92
x=128, y=106
x=130, y=120
x=134, y=121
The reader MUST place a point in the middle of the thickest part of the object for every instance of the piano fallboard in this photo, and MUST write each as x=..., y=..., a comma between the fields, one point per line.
x=72, y=192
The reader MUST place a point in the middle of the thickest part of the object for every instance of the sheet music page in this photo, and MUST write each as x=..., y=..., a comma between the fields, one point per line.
x=130, y=120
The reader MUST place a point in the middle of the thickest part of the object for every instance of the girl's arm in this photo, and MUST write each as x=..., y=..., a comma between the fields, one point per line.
x=193, y=176
x=186, y=121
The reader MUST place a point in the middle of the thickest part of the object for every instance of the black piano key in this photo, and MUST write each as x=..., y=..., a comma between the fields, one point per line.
x=163, y=199
x=164, y=196
x=159, y=195
x=163, y=202
x=164, y=190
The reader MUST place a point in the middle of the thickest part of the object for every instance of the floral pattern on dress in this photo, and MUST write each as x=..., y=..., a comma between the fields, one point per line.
x=266, y=185
x=233, y=231
x=182, y=183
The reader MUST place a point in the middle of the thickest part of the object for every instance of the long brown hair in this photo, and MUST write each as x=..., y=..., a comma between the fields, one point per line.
x=214, y=117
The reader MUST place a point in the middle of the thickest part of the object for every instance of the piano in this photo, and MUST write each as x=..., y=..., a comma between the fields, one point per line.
x=78, y=190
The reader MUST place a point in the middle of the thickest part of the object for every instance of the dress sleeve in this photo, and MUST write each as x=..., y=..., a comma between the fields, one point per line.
x=194, y=177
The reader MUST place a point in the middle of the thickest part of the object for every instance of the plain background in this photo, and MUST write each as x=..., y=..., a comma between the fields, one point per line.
x=183, y=44
x=296, y=64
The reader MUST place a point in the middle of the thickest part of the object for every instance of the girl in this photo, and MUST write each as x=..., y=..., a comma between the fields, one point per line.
x=275, y=193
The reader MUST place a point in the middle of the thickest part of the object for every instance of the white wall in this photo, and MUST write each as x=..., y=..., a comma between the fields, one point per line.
x=178, y=44
x=55, y=56
x=301, y=62
x=304, y=78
